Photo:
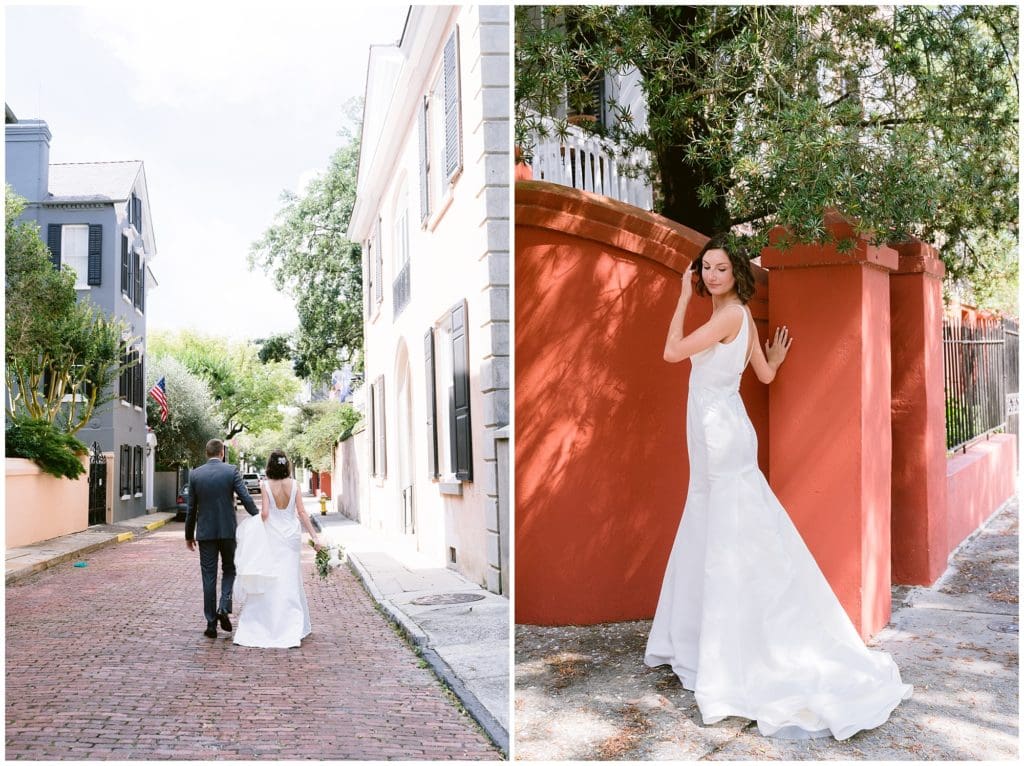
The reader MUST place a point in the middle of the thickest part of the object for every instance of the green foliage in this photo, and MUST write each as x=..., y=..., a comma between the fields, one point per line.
x=61, y=355
x=307, y=253
x=192, y=418
x=314, y=431
x=246, y=392
x=994, y=284
x=904, y=117
x=276, y=348
x=55, y=452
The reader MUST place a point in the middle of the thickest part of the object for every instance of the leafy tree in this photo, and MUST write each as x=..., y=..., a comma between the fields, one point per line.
x=247, y=393
x=903, y=117
x=192, y=417
x=314, y=430
x=276, y=348
x=310, y=258
x=61, y=355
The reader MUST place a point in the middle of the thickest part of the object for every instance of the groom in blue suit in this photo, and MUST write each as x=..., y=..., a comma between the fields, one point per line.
x=211, y=521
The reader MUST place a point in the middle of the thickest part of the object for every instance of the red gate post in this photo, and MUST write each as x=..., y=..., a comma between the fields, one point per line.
x=830, y=449
x=919, y=512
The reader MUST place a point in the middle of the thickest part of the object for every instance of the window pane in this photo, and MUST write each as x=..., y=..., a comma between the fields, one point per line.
x=74, y=248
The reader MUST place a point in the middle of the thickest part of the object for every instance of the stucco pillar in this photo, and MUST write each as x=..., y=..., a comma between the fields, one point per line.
x=919, y=513
x=830, y=449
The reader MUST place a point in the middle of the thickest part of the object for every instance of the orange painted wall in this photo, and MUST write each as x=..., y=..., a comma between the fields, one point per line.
x=601, y=469
x=919, y=503
x=978, y=482
x=40, y=506
x=830, y=451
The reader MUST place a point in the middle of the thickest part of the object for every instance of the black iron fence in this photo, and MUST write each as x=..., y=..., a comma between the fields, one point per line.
x=980, y=365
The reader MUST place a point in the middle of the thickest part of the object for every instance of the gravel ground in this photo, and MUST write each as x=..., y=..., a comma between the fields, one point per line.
x=583, y=693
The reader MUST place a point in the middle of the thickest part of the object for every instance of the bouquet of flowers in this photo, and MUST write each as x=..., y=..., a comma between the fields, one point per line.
x=327, y=558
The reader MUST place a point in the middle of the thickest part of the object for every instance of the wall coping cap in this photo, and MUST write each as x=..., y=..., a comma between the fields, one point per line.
x=545, y=205
x=827, y=253
x=917, y=257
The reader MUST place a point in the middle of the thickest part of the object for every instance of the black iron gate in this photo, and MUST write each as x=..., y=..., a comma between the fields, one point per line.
x=97, y=486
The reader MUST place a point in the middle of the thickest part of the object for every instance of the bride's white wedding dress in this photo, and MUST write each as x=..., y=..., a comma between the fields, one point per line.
x=269, y=578
x=745, y=617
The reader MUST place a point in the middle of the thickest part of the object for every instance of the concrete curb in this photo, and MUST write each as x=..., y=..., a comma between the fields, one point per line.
x=494, y=730
x=11, y=578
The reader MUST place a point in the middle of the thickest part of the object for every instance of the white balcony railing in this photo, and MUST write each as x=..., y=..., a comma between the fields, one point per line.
x=581, y=161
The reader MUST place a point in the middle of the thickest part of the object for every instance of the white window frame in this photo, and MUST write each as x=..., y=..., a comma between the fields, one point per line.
x=74, y=251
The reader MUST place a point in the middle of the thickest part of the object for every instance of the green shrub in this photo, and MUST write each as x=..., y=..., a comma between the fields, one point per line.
x=54, y=451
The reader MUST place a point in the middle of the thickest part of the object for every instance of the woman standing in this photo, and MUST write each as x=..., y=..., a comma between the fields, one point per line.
x=745, y=617
x=275, y=613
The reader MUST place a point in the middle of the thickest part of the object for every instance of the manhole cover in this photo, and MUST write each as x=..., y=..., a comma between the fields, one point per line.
x=447, y=598
x=1003, y=627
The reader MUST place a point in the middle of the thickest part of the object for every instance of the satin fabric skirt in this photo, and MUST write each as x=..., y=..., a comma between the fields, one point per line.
x=745, y=618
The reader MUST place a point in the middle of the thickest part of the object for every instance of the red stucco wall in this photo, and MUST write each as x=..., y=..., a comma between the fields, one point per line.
x=978, y=482
x=601, y=468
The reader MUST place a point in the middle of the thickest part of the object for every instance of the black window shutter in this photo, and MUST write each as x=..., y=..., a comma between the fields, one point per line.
x=424, y=161
x=462, y=441
x=126, y=269
x=137, y=282
x=142, y=289
x=122, y=380
x=452, y=123
x=137, y=204
x=95, y=254
x=433, y=469
x=137, y=478
x=378, y=265
x=371, y=280
x=382, y=433
x=138, y=379
x=372, y=399
x=53, y=232
x=126, y=466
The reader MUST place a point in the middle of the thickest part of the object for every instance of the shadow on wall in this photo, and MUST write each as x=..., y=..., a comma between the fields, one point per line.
x=601, y=468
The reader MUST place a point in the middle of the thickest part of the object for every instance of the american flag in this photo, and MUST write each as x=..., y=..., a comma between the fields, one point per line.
x=159, y=392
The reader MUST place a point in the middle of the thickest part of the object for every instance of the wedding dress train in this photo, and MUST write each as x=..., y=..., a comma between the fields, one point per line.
x=745, y=617
x=275, y=613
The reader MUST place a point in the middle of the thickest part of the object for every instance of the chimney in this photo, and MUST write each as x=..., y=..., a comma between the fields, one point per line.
x=28, y=159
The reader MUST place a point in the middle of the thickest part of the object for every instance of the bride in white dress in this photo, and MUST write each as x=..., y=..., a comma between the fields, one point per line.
x=274, y=613
x=745, y=617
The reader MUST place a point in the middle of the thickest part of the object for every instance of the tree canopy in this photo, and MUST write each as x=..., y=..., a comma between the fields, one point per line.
x=903, y=118
x=192, y=418
x=246, y=392
x=61, y=355
x=310, y=258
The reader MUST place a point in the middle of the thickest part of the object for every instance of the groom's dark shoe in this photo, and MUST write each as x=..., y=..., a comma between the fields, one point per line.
x=225, y=623
x=211, y=630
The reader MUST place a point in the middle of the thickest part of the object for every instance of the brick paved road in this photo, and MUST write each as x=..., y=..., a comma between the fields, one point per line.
x=110, y=662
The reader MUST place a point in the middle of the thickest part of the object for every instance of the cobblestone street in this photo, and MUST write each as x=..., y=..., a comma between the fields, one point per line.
x=109, y=662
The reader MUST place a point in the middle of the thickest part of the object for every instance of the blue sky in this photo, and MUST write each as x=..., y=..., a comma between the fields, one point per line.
x=227, y=104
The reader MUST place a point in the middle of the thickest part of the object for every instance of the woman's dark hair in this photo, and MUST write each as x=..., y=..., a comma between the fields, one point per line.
x=741, y=270
x=278, y=465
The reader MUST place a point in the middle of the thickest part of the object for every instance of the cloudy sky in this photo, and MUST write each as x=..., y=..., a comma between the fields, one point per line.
x=227, y=104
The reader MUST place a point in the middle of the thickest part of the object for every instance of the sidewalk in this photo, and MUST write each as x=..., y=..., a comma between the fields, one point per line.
x=460, y=629
x=583, y=693
x=29, y=559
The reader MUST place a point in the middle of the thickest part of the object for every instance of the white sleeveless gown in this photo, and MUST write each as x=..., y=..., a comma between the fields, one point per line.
x=745, y=617
x=274, y=613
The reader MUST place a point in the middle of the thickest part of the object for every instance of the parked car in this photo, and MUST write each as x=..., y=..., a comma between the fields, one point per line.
x=182, y=503
x=252, y=483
